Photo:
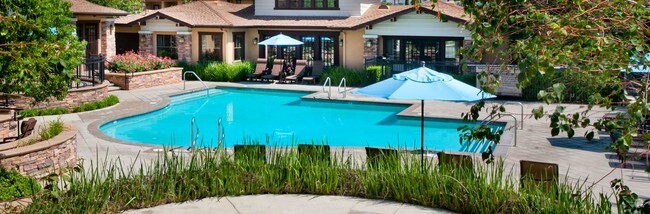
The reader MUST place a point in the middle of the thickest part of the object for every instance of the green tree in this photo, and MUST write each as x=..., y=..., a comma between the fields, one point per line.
x=38, y=48
x=131, y=6
x=592, y=39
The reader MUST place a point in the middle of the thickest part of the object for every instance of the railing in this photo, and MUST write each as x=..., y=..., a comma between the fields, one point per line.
x=521, y=113
x=490, y=117
x=89, y=73
x=197, y=77
x=192, y=137
x=343, y=82
x=328, y=82
x=390, y=67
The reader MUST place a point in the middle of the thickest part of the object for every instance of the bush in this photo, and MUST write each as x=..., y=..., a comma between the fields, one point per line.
x=469, y=79
x=219, y=71
x=52, y=129
x=580, y=86
x=14, y=186
x=131, y=62
x=89, y=106
x=354, y=77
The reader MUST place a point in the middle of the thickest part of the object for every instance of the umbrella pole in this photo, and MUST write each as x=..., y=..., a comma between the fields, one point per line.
x=422, y=135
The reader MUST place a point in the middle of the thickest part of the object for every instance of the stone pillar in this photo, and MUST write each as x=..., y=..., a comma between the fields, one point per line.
x=184, y=46
x=146, y=42
x=370, y=46
x=107, y=28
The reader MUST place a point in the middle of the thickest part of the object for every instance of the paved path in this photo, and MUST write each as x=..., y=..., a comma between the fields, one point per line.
x=578, y=159
x=286, y=204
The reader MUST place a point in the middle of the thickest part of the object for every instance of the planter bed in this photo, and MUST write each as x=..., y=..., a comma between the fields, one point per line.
x=146, y=79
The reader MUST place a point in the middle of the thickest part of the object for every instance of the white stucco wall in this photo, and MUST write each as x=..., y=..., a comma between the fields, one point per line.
x=347, y=8
x=163, y=25
x=414, y=24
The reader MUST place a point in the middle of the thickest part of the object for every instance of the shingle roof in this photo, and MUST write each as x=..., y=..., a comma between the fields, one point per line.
x=82, y=7
x=224, y=14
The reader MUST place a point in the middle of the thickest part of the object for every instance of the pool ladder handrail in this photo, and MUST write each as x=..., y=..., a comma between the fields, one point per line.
x=343, y=82
x=513, y=117
x=521, y=113
x=328, y=82
x=192, y=138
x=197, y=77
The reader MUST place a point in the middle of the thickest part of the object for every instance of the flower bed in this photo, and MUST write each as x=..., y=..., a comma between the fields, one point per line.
x=133, y=71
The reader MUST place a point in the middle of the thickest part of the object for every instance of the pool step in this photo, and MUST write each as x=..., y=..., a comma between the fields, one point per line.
x=197, y=95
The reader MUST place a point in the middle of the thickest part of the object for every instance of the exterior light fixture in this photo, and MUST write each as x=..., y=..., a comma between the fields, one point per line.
x=255, y=40
x=368, y=43
x=181, y=39
x=143, y=38
x=341, y=43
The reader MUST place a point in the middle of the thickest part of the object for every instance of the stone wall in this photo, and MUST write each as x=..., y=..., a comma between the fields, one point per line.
x=146, y=79
x=184, y=48
x=370, y=48
x=146, y=42
x=107, y=29
x=75, y=97
x=8, y=127
x=41, y=158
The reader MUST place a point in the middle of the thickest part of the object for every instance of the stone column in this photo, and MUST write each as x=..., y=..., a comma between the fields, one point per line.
x=184, y=46
x=108, y=37
x=146, y=42
x=370, y=46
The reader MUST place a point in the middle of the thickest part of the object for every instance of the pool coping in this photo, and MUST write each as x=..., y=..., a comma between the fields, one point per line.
x=500, y=150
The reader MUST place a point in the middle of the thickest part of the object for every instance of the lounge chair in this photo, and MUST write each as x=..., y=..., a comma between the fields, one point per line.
x=260, y=68
x=377, y=157
x=540, y=174
x=316, y=71
x=456, y=161
x=26, y=129
x=250, y=153
x=301, y=66
x=314, y=153
x=278, y=65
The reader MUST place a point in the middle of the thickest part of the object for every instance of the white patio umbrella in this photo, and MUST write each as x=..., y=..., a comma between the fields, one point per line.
x=279, y=40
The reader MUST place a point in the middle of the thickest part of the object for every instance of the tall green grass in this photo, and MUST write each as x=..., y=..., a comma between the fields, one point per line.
x=112, y=187
x=354, y=77
x=219, y=71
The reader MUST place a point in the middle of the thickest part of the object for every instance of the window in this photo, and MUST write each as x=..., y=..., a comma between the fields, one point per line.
x=210, y=45
x=308, y=47
x=317, y=46
x=166, y=46
x=451, y=50
x=327, y=50
x=307, y=4
x=239, y=40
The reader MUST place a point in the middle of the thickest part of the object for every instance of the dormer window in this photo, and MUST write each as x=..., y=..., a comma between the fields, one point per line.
x=307, y=4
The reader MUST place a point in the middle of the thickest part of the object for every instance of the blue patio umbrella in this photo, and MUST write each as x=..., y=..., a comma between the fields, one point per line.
x=637, y=66
x=423, y=84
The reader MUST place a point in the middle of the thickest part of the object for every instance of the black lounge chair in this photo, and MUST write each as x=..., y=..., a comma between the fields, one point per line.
x=316, y=71
x=301, y=66
x=278, y=65
x=314, y=153
x=26, y=129
x=385, y=158
x=260, y=68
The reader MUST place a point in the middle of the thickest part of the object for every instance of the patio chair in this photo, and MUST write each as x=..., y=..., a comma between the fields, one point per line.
x=316, y=71
x=382, y=158
x=278, y=65
x=260, y=68
x=26, y=129
x=456, y=161
x=310, y=153
x=250, y=154
x=540, y=174
x=301, y=66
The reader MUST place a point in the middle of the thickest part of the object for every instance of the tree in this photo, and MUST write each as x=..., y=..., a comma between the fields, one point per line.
x=38, y=48
x=131, y=6
x=589, y=39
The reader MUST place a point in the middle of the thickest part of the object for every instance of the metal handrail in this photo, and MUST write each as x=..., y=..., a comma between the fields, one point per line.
x=513, y=117
x=328, y=82
x=192, y=138
x=197, y=77
x=343, y=82
x=522, y=111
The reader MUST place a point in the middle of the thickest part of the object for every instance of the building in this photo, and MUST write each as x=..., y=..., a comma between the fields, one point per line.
x=337, y=32
x=95, y=25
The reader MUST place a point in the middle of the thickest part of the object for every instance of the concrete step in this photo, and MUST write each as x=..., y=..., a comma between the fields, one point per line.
x=113, y=88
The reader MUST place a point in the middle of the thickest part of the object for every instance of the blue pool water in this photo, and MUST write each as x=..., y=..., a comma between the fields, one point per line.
x=282, y=118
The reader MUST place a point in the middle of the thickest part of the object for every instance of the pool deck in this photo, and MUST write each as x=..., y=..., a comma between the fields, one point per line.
x=580, y=158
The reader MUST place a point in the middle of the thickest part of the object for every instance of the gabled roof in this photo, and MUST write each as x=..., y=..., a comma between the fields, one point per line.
x=224, y=14
x=82, y=7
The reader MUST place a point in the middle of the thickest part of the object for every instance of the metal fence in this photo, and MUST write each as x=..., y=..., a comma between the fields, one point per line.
x=391, y=67
x=89, y=73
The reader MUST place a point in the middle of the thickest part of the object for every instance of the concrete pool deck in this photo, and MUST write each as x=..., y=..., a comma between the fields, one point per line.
x=580, y=158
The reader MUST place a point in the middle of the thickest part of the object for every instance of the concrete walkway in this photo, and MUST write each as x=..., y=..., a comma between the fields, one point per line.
x=577, y=158
x=288, y=204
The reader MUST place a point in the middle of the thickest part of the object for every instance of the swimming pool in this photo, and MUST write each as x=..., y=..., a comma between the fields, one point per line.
x=282, y=118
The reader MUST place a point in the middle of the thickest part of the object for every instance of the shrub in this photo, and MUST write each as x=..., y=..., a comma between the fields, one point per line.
x=354, y=77
x=469, y=79
x=131, y=62
x=89, y=106
x=14, y=186
x=52, y=129
x=43, y=112
x=580, y=87
x=219, y=71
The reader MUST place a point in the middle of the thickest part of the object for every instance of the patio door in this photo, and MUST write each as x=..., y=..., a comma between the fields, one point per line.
x=89, y=32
